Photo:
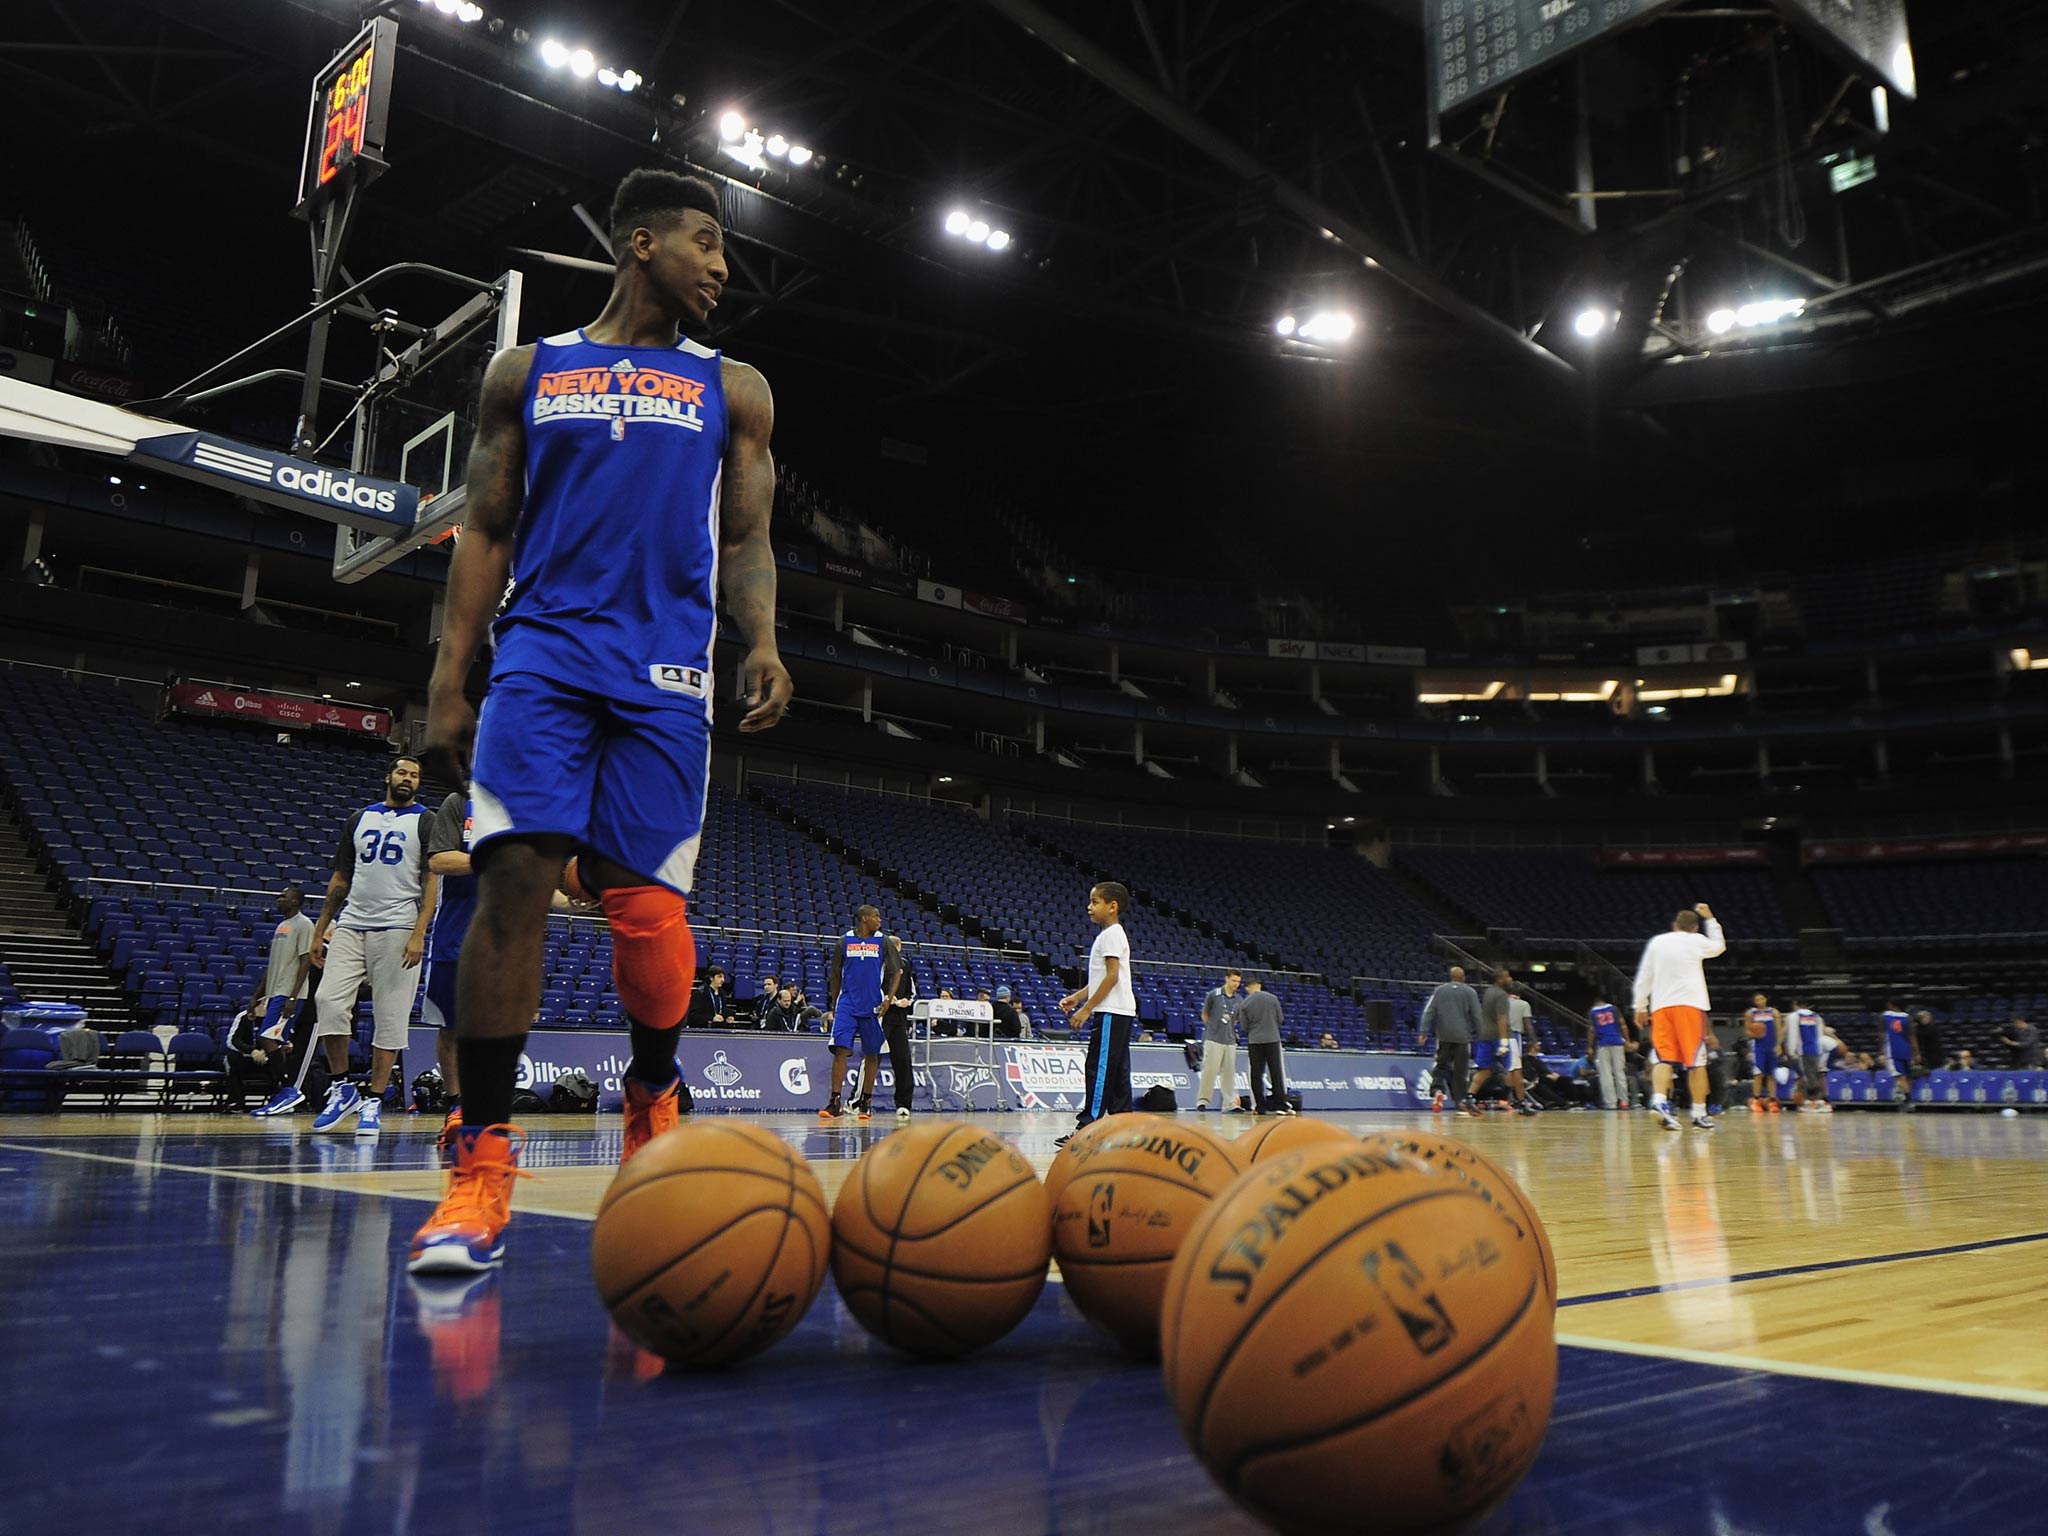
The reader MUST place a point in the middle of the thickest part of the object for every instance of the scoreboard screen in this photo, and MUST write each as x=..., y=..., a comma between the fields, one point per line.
x=1478, y=46
x=1873, y=30
x=346, y=119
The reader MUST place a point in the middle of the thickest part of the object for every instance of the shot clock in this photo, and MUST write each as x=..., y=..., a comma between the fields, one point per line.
x=346, y=120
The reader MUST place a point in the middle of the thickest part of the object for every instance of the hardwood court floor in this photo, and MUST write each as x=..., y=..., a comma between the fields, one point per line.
x=210, y=1325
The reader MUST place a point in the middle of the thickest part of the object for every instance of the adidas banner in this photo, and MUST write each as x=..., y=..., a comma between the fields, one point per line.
x=338, y=495
x=217, y=701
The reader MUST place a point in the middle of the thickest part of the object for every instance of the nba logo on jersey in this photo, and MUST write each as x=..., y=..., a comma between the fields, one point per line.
x=619, y=430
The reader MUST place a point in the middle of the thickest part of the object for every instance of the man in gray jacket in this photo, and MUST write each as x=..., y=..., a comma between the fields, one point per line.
x=1452, y=1015
x=1260, y=1015
x=1219, y=1044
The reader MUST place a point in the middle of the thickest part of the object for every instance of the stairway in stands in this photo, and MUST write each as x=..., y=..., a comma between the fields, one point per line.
x=48, y=960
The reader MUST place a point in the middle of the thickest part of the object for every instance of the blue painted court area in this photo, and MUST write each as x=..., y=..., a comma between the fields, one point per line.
x=223, y=1349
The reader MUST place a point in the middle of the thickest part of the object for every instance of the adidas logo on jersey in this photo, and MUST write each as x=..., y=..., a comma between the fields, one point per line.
x=690, y=680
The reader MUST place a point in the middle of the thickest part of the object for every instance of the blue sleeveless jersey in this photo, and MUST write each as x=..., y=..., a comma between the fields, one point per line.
x=1606, y=1025
x=615, y=563
x=860, y=974
x=1769, y=1038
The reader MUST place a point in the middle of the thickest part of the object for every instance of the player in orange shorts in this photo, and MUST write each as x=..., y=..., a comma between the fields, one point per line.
x=1671, y=1002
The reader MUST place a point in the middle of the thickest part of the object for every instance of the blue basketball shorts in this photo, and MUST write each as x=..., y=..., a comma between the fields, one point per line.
x=1763, y=1056
x=849, y=1027
x=437, y=994
x=1901, y=1056
x=625, y=780
x=1498, y=1055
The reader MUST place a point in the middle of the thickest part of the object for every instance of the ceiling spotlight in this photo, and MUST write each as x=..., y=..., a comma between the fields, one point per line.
x=978, y=231
x=956, y=223
x=1770, y=311
x=606, y=77
x=998, y=238
x=1284, y=326
x=1323, y=326
x=467, y=13
x=1590, y=323
x=583, y=63
x=630, y=81
x=446, y=7
x=777, y=146
x=731, y=127
x=553, y=54
x=798, y=155
x=1721, y=321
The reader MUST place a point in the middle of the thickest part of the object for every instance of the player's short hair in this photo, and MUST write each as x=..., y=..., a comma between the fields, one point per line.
x=649, y=196
x=293, y=888
x=1233, y=972
x=867, y=911
x=1111, y=890
x=714, y=970
x=1689, y=921
x=403, y=757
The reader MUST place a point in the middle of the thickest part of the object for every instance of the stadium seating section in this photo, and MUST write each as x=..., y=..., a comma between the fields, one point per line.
x=169, y=838
x=1568, y=896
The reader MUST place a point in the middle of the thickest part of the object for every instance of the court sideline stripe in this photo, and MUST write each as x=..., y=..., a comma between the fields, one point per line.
x=2032, y=1396
x=1801, y=1269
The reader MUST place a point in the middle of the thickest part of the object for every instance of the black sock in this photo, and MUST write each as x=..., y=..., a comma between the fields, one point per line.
x=489, y=1067
x=654, y=1054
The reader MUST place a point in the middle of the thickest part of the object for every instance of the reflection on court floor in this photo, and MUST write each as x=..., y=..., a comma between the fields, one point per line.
x=211, y=1327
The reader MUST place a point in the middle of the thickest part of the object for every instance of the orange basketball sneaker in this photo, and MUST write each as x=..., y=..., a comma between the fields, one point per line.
x=649, y=1112
x=466, y=1233
x=445, y=1142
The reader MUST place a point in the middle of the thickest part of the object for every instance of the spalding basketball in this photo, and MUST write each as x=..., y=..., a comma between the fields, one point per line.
x=1488, y=1177
x=1130, y=1197
x=1284, y=1133
x=1754, y=1028
x=1078, y=1146
x=941, y=1239
x=1351, y=1330
x=711, y=1243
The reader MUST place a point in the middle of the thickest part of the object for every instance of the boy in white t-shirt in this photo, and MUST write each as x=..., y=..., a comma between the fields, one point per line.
x=1110, y=1007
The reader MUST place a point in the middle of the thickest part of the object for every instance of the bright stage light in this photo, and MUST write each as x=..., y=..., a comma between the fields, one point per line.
x=777, y=145
x=978, y=231
x=582, y=63
x=446, y=7
x=798, y=155
x=1330, y=325
x=553, y=54
x=606, y=77
x=1284, y=326
x=466, y=13
x=956, y=223
x=1721, y=321
x=732, y=127
x=1590, y=323
x=998, y=238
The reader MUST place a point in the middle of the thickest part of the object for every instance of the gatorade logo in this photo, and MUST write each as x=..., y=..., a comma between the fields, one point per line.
x=796, y=1076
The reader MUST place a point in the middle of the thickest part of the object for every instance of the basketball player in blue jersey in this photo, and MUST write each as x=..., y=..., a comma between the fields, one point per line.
x=864, y=968
x=621, y=477
x=1901, y=1055
x=1767, y=1045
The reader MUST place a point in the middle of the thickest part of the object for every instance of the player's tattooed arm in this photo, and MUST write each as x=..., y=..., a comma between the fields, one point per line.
x=495, y=487
x=746, y=564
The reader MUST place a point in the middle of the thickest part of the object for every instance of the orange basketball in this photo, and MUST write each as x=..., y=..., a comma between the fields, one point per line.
x=1487, y=1176
x=940, y=1239
x=1754, y=1028
x=1077, y=1147
x=1131, y=1195
x=711, y=1243
x=1284, y=1133
x=1351, y=1335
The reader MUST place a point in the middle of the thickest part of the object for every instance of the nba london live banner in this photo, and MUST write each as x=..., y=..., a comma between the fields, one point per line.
x=788, y=1072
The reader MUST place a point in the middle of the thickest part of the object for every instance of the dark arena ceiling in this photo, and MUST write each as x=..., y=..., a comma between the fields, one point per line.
x=1174, y=177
